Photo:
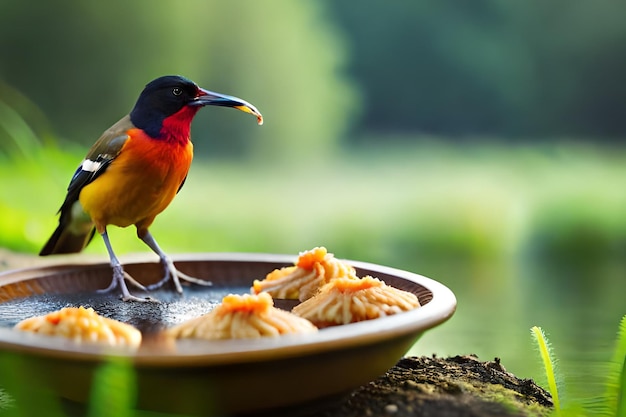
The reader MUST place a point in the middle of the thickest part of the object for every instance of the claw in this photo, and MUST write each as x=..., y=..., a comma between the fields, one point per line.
x=119, y=279
x=111, y=287
x=130, y=297
x=175, y=275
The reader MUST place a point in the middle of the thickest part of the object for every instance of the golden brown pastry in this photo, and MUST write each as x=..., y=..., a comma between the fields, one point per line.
x=243, y=316
x=346, y=300
x=83, y=325
x=313, y=269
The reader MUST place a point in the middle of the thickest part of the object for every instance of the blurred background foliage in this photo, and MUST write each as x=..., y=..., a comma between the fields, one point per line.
x=528, y=71
x=72, y=58
x=525, y=70
x=477, y=143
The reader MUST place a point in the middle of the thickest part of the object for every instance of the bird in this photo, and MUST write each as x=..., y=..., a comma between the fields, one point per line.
x=133, y=172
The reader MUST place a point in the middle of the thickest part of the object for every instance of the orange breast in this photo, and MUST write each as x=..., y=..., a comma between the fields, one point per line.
x=139, y=184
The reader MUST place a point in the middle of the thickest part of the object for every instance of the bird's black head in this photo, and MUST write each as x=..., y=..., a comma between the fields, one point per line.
x=173, y=101
x=160, y=99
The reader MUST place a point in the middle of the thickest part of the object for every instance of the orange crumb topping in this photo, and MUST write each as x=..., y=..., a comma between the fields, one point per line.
x=308, y=259
x=246, y=302
x=350, y=284
x=83, y=325
x=79, y=312
x=279, y=273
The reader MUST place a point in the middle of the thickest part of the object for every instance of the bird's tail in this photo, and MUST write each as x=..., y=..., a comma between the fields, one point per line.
x=63, y=240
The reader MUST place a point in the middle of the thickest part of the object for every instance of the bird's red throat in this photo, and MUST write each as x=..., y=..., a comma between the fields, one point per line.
x=177, y=127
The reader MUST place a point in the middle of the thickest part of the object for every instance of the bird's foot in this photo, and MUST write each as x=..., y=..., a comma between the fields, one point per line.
x=175, y=275
x=127, y=277
x=130, y=297
x=119, y=279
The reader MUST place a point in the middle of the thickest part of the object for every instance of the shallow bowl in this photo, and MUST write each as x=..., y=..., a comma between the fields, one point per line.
x=202, y=377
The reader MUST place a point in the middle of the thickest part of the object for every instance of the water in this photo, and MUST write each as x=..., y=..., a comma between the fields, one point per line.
x=579, y=307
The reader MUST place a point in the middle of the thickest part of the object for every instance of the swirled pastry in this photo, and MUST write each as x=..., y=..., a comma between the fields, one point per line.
x=313, y=269
x=83, y=325
x=243, y=316
x=346, y=300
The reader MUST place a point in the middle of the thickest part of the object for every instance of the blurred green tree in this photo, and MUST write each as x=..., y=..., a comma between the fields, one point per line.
x=84, y=64
x=531, y=69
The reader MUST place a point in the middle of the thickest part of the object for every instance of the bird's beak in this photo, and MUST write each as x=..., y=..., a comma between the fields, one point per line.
x=210, y=98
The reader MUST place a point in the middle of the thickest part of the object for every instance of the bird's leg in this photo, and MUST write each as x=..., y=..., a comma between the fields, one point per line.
x=170, y=270
x=120, y=276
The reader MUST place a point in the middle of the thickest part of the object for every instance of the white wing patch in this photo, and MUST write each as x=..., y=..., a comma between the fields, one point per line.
x=90, y=166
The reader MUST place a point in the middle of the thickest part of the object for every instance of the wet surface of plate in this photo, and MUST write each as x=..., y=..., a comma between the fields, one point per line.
x=202, y=377
x=171, y=309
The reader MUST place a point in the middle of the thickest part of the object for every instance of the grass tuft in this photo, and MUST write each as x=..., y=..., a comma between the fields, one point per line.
x=613, y=403
x=549, y=364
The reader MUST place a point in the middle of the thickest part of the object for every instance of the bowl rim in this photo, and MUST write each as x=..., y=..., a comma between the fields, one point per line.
x=227, y=352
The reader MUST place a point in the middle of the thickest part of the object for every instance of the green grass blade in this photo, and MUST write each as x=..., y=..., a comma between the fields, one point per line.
x=114, y=390
x=621, y=397
x=545, y=351
x=6, y=402
x=22, y=393
x=616, y=381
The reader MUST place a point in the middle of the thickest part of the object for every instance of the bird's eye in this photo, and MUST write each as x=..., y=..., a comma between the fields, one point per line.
x=177, y=91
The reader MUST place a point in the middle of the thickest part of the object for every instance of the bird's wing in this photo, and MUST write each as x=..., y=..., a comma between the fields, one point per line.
x=99, y=157
x=181, y=185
